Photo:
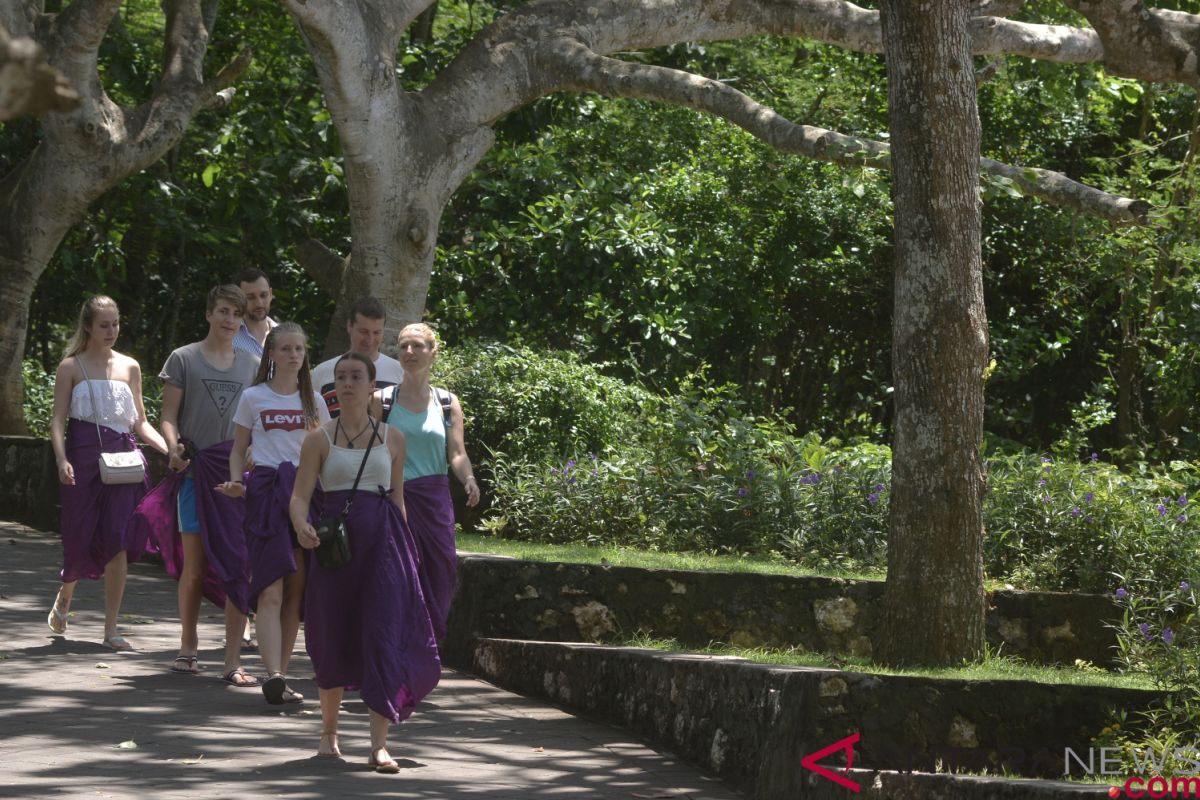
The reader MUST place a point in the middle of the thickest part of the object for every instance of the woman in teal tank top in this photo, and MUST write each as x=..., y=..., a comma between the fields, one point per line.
x=432, y=423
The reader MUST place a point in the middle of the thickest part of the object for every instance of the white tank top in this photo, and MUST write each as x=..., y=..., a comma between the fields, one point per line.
x=113, y=407
x=342, y=463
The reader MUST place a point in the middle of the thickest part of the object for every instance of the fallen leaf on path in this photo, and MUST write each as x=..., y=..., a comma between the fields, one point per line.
x=195, y=760
x=101, y=665
x=539, y=749
x=136, y=620
x=128, y=744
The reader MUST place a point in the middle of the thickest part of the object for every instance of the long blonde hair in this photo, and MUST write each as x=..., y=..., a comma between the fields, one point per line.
x=303, y=379
x=87, y=315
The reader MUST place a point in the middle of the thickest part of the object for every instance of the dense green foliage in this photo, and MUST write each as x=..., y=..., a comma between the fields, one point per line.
x=573, y=456
x=661, y=242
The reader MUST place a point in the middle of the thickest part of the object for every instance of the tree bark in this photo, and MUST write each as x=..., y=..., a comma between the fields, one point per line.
x=934, y=595
x=87, y=151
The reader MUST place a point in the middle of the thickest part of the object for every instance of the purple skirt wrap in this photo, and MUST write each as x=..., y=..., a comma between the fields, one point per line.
x=94, y=517
x=366, y=626
x=269, y=535
x=221, y=532
x=431, y=517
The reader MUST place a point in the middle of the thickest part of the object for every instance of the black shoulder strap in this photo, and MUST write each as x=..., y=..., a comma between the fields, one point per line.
x=389, y=400
x=444, y=399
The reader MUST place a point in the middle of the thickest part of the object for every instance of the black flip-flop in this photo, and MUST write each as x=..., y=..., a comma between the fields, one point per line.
x=273, y=689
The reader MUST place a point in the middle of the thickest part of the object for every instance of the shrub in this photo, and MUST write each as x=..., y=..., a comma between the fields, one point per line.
x=1070, y=525
x=39, y=397
x=532, y=405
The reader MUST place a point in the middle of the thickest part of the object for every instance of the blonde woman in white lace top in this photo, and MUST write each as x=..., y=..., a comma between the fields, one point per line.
x=97, y=408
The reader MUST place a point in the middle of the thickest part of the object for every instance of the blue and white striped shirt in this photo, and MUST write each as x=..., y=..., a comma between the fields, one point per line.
x=244, y=339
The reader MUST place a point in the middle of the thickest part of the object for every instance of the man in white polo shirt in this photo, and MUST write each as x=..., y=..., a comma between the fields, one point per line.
x=365, y=327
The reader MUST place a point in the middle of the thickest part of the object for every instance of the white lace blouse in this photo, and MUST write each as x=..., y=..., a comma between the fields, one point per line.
x=114, y=406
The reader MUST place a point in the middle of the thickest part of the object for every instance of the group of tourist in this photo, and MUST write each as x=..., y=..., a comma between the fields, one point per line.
x=260, y=448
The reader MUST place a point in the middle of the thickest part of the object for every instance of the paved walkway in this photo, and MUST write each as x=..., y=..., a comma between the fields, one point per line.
x=77, y=720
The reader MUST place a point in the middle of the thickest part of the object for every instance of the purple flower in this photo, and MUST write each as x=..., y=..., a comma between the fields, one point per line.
x=1168, y=635
x=1041, y=481
x=1184, y=586
x=1089, y=518
x=594, y=473
x=593, y=456
x=811, y=479
x=1095, y=457
x=1145, y=629
x=570, y=463
x=749, y=474
x=1181, y=518
x=743, y=491
x=1089, y=497
x=1075, y=512
x=1182, y=501
x=1162, y=510
x=554, y=470
x=872, y=498
x=879, y=487
x=1046, y=499
x=1121, y=594
x=1045, y=459
x=571, y=479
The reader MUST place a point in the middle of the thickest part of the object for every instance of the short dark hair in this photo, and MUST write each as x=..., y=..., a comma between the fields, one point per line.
x=368, y=307
x=250, y=275
x=229, y=292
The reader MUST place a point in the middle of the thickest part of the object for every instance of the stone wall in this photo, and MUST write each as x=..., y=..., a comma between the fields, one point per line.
x=751, y=724
x=28, y=482
x=505, y=598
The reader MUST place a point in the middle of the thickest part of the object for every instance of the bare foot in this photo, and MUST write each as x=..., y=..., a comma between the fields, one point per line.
x=328, y=746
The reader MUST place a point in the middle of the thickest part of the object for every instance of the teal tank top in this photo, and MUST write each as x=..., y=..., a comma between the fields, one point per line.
x=425, y=436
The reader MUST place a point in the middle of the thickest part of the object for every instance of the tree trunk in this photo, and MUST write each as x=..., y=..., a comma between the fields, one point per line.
x=935, y=598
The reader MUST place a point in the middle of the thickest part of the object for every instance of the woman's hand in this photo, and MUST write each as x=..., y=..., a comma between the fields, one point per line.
x=66, y=473
x=231, y=488
x=306, y=535
x=472, y=487
x=177, y=462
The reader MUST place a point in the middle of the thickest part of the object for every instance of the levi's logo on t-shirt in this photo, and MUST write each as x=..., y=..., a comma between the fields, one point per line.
x=286, y=420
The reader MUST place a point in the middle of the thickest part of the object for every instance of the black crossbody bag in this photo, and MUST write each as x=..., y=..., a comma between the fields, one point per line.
x=334, y=549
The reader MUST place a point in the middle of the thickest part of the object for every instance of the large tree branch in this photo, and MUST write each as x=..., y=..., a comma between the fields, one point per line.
x=29, y=86
x=1145, y=43
x=611, y=77
x=74, y=40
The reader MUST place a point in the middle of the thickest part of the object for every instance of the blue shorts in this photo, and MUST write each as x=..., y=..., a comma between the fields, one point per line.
x=189, y=522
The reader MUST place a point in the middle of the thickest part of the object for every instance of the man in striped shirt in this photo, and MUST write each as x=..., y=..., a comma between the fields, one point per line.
x=256, y=324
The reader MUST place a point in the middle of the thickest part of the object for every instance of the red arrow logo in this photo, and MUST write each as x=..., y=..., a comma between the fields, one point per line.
x=847, y=744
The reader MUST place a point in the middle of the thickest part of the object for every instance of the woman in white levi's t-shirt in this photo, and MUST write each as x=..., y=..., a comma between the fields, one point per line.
x=275, y=414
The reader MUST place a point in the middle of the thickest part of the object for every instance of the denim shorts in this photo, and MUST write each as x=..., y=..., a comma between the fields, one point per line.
x=189, y=522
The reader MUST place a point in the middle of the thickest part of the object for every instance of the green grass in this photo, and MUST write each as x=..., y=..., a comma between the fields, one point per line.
x=991, y=668
x=628, y=557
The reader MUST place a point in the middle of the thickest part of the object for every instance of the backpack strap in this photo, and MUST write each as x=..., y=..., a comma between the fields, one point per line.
x=388, y=400
x=444, y=400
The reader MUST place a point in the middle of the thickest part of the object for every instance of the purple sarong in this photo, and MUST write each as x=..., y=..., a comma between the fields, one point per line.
x=269, y=535
x=94, y=517
x=431, y=517
x=220, y=527
x=366, y=626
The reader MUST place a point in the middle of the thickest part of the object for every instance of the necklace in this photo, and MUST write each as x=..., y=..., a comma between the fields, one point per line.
x=350, y=439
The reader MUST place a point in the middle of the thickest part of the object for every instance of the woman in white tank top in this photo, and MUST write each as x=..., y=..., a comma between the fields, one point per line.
x=97, y=408
x=366, y=625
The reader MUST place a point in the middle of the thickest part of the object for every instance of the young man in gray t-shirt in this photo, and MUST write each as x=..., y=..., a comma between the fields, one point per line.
x=202, y=384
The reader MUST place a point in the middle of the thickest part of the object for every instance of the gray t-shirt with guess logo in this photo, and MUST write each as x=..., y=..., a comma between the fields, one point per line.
x=210, y=395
